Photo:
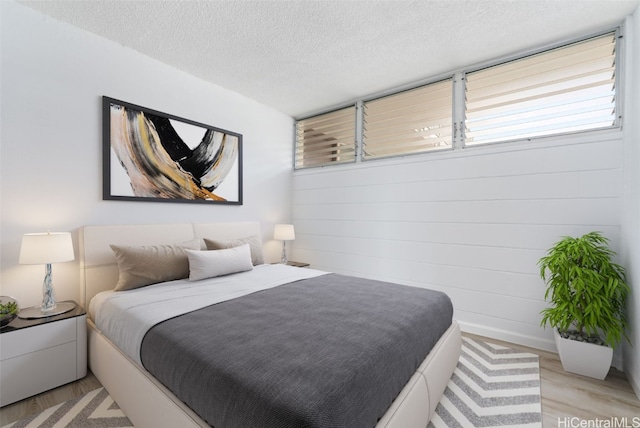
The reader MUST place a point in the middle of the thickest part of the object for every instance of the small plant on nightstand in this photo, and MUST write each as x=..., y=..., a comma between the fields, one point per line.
x=587, y=291
x=8, y=310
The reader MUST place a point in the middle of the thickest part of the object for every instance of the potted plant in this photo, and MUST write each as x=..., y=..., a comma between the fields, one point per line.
x=8, y=310
x=587, y=292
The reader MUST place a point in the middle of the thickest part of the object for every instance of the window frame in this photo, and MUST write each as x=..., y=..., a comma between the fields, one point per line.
x=330, y=163
x=361, y=137
x=617, y=34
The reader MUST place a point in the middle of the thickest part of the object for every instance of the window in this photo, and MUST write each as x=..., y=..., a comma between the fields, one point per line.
x=568, y=89
x=414, y=121
x=563, y=90
x=326, y=139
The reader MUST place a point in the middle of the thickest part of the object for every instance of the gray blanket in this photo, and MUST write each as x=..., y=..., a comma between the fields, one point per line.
x=331, y=351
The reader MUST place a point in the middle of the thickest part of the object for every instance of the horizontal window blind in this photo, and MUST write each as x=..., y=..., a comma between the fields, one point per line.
x=567, y=89
x=326, y=139
x=414, y=121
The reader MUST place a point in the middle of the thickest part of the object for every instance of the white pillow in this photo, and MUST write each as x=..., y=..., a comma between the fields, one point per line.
x=208, y=264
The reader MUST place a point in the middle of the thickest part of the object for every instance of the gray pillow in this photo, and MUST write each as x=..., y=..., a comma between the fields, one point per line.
x=257, y=256
x=150, y=264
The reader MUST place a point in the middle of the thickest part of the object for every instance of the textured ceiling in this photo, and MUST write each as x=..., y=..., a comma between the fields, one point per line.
x=303, y=56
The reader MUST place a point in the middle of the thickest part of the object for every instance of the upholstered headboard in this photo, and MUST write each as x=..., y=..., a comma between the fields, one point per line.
x=98, y=266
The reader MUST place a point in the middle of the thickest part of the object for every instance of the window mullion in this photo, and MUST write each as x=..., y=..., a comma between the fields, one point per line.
x=359, y=131
x=458, y=110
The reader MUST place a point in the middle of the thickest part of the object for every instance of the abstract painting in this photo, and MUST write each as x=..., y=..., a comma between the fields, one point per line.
x=154, y=156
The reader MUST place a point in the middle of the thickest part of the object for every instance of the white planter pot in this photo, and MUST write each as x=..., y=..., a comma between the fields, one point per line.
x=584, y=358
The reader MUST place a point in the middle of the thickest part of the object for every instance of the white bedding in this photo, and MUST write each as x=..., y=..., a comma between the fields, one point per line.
x=125, y=316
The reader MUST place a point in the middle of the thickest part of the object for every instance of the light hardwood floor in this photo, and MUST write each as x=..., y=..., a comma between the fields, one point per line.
x=564, y=395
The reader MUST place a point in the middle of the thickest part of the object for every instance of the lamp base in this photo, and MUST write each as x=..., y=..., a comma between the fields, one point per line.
x=283, y=258
x=37, y=312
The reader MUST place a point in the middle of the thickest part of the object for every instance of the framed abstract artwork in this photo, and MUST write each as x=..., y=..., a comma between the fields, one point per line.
x=158, y=157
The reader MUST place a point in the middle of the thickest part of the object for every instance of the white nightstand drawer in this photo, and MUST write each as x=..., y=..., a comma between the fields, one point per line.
x=35, y=372
x=24, y=341
x=40, y=354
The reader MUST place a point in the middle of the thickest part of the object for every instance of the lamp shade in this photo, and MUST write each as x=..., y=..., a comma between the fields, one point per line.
x=284, y=232
x=43, y=248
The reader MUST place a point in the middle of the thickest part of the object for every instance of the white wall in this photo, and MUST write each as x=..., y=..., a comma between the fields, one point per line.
x=52, y=79
x=630, y=236
x=472, y=223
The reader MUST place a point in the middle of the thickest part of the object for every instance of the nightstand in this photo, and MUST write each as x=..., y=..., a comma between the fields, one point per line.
x=40, y=354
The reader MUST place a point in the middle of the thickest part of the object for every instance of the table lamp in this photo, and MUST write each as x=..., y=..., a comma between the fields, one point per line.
x=284, y=233
x=46, y=248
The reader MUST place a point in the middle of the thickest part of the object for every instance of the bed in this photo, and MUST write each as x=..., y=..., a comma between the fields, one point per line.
x=149, y=403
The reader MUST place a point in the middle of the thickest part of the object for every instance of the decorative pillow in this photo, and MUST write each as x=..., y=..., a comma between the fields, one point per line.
x=209, y=264
x=257, y=257
x=149, y=264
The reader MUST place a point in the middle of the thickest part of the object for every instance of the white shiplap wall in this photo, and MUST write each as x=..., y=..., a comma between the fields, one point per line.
x=472, y=223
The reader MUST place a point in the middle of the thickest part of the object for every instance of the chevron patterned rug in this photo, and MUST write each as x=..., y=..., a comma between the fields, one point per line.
x=492, y=386
x=96, y=409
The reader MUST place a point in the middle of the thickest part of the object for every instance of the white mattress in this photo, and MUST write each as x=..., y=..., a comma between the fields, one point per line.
x=126, y=316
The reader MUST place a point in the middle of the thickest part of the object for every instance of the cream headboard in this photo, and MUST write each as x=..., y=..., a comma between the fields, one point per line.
x=98, y=266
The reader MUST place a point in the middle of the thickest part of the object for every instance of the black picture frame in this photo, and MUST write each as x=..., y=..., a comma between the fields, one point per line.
x=153, y=156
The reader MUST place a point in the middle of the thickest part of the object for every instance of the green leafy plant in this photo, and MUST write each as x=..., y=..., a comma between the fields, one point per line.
x=586, y=289
x=8, y=308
